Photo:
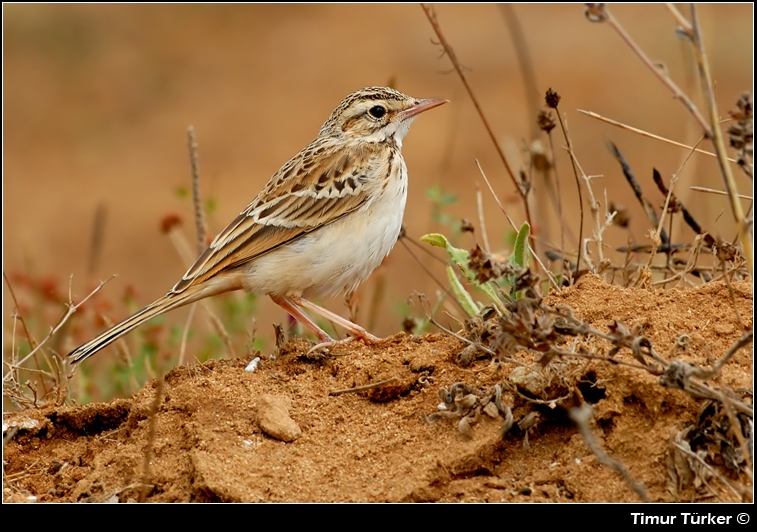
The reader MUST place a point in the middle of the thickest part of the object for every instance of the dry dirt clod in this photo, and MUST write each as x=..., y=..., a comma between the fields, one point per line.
x=274, y=419
x=529, y=380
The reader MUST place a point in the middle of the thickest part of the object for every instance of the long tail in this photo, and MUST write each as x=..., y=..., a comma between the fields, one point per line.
x=164, y=304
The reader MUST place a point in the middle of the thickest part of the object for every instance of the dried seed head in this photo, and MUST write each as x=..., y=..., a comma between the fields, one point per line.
x=486, y=266
x=726, y=251
x=596, y=12
x=674, y=205
x=545, y=120
x=741, y=134
x=552, y=98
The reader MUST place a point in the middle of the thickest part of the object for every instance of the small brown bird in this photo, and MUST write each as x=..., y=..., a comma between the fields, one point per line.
x=320, y=226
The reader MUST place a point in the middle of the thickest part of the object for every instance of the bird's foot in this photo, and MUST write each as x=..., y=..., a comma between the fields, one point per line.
x=366, y=338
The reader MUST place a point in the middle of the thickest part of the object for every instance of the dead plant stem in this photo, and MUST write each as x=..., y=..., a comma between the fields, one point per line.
x=581, y=417
x=647, y=133
x=185, y=335
x=200, y=222
x=660, y=74
x=716, y=135
x=720, y=192
x=551, y=277
x=520, y=46
x=708, y=467
x=431, y=15
x=69, y=312
x=29, y=337
x=481, y=218
x=559, y=194
x=573, y=164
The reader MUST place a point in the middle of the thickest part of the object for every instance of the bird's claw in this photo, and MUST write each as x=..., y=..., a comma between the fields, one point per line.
x=367, y=338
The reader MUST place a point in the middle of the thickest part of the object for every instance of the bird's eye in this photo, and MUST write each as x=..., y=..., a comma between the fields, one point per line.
x=377, y=111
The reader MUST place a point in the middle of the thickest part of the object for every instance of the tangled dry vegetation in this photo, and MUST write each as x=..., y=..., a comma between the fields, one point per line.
x=581, y=380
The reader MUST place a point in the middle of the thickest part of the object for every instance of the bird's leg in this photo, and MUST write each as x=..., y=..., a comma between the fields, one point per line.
x=355, y=330
x=292, y=308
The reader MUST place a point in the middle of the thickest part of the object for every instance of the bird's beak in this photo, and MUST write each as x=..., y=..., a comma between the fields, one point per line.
x=419, y=107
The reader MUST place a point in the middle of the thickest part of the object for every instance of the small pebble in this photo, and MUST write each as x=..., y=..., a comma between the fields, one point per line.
x=253, y=365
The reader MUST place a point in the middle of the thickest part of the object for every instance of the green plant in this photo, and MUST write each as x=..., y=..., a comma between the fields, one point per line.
x=484, y=272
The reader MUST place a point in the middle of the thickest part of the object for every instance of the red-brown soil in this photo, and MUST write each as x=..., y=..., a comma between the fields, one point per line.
x=374, y=445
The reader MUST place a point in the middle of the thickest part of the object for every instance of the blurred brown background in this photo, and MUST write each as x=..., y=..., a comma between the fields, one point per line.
x=97, y=100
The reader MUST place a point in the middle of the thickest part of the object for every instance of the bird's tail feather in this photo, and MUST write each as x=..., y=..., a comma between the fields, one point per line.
x=164, y=304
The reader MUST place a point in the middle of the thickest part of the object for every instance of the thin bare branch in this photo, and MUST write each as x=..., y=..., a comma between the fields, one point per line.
x=551, y=277
x=679, y=18
x=522, y=52
x=29, y=337
x=581, y=417
x=185, y=335
x=720, y=192
x=740, y=343
x=200, y=222
x=573, y=164
x=431, y=15
x=647, y=133
x=98, y=237
x=598, y=12
x=713, y=132
x=481, y=219
x=69, y=312
x=708, y=467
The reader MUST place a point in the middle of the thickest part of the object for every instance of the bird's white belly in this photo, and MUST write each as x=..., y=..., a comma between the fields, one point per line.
x=336, y=258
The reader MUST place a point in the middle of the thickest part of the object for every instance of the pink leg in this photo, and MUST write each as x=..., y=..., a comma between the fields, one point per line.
x=353, y=328
x=292, y=308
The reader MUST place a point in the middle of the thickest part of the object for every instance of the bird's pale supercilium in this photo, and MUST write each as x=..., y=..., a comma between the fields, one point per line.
x=320, y=226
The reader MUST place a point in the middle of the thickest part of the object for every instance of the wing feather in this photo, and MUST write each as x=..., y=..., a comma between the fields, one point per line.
x=310, y=191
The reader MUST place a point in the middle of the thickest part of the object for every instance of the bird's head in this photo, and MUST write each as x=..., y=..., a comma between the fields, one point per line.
x=376, y=114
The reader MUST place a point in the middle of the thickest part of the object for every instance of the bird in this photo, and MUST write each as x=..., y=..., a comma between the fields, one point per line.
x=323, y=222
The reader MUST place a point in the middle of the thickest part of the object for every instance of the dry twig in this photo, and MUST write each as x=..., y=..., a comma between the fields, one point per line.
x=431, y=15
x=581, y=417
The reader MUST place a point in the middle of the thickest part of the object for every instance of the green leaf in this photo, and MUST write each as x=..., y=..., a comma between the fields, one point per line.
x=462, y=295
x=460, y=258
x=520, y=256
x=435, y=239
